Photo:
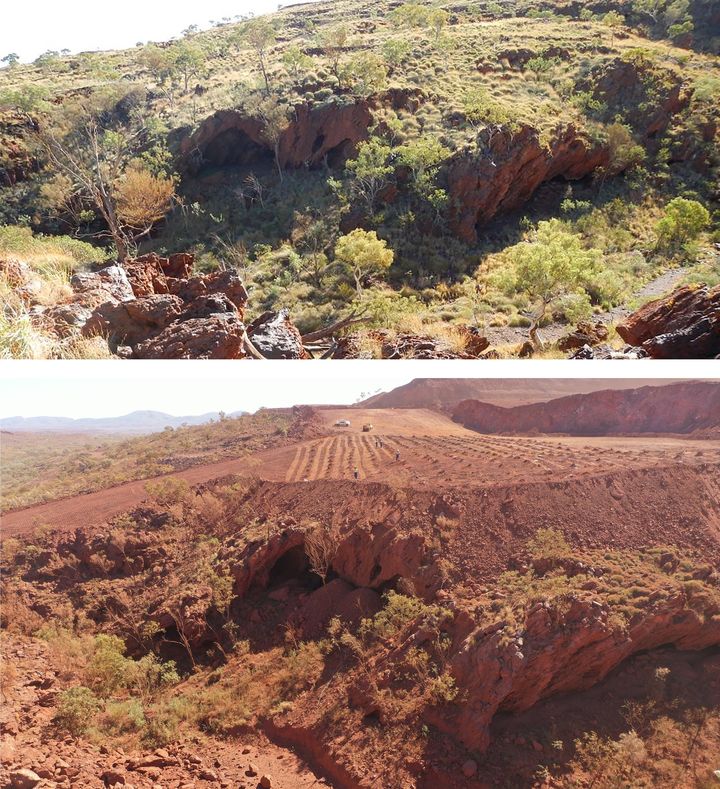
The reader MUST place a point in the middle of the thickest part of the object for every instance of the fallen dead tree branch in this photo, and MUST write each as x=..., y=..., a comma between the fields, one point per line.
x=250, y=348
x=328, y=331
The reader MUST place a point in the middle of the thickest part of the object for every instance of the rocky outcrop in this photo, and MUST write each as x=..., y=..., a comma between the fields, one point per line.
x=564, y=646
x=230, y=137
x=677, y=408
x=518, y=58
x=555, y=625
x=443, y=394
x=149, y=274
x=584, y=334
x=276, y=337
x=366, y=558
x=508, y=167
x=606, y=352
x=510, y=164
x=109, y=283
x=683, y=325
x=156, y=308
x=507, y=652
x=213, y=337
x=91, y=290
x=646, y=95
x=340, y=599
x=171, y=313
x=18, y=160
x=108, y=555
x=374, y=556
x=256, y=562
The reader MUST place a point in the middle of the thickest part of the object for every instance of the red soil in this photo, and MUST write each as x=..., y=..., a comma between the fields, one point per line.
x=474, y=501
x=30, y=693
x=435, y=455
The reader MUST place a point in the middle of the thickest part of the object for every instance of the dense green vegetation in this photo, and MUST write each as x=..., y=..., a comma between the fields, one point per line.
x=99, y=138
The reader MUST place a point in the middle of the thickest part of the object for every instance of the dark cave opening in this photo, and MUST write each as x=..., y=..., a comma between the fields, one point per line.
x=294, y=567
x=235, y=148
x=169, y=646
x=337, y=156
x=318, y=143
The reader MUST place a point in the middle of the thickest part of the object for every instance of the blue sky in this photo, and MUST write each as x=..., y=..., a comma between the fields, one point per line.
x=29, y=29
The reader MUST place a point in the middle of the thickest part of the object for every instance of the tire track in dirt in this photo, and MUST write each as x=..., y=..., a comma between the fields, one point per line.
x=325, y=453
x=334, y=459
x=316, y=468
x=356, y=458
x=369, y=450
x=307, y=461
x=311, y=459
x=294, y=467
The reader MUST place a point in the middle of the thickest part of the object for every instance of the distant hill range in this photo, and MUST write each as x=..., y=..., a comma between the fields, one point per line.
x=136, y=422
x=443, y=394
x=690, y=407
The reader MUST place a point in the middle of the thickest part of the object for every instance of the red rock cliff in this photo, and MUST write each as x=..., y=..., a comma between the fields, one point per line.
x=677, y=408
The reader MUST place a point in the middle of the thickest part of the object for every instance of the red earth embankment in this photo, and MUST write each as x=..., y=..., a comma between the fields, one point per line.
x=679, y=408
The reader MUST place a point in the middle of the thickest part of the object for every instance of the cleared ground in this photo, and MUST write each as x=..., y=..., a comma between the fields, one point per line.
x=434, y=453
x=393, y=421
x=474, y=460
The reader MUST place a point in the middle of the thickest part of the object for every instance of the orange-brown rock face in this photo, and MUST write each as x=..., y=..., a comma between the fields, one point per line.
x=681, y=408
x=17, y=160
x=647, y=95
x=508, y=170
x=561, y=648
x=683, y=325
x=172, y=313
x=231, y=138
x=554, y=629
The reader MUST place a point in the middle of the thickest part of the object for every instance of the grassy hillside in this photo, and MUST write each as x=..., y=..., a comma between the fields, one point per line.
x=36, y=470
x=450, y=130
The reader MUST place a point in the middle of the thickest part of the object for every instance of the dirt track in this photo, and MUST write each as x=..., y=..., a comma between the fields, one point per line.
x=435, y=453
x=95, y=508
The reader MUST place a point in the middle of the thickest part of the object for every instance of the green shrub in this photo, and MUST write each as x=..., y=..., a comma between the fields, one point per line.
x=76, y=709
x=398, y=613
x=707, y=89
x=548, y=544
x=122, y=717
x=164, y=720
x=18, y=240
x=109, y=669
x=168, y=491
x=443, y=689
x=150, y=674
x=684, y=220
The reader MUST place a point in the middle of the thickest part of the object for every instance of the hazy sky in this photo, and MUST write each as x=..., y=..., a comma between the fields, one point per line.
x=95, y=389
x=183, y=388
x=29, y=29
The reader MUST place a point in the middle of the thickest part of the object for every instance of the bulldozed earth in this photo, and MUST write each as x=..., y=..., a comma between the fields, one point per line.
x=399, y=602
